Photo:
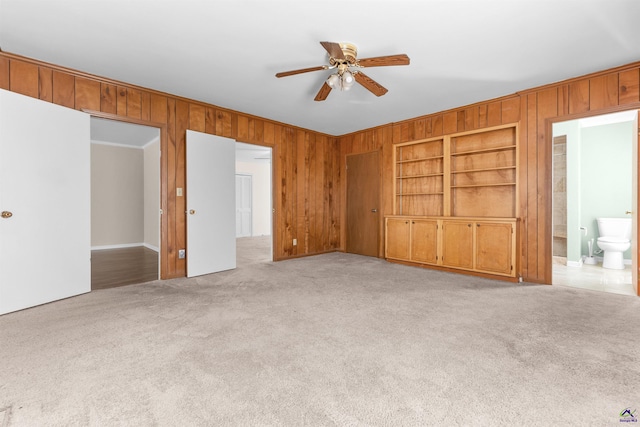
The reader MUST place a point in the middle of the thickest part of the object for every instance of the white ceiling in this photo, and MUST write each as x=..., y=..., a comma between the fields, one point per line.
x=226, y=52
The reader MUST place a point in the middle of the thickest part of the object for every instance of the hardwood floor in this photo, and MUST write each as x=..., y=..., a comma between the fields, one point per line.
x=111, y=268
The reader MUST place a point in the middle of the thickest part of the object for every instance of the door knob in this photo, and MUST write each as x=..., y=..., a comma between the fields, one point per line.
x=192, y=212
x=626, y=213
x=6, y=214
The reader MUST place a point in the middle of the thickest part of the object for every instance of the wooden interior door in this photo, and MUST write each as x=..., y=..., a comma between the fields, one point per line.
x=363, y=203
x=45, y=196
x=211, y=204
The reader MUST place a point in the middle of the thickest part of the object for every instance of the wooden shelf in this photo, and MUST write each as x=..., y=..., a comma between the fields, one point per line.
x=484, y=150
x=420, y=194
x=419, y=159
x=484, y=185
x=420, y=176
x=484, y=169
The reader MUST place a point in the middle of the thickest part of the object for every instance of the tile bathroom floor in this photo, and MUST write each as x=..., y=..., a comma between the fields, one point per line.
x=594, y=277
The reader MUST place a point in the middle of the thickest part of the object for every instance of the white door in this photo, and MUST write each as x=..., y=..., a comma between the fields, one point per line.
x=211, y=240
x=45, y=229
x=243, y=205
x=634, y=204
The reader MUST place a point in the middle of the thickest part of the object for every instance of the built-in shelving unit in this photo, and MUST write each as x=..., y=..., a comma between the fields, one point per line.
x=456, y=202
x=471, y=174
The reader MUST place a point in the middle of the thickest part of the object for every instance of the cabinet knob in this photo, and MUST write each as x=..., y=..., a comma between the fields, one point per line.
x=468, y=225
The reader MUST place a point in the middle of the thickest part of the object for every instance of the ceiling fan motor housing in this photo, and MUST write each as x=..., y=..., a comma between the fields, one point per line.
x=350, y=52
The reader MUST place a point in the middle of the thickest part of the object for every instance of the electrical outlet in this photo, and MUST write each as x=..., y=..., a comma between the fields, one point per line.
x=295, y=242
x=181, y=253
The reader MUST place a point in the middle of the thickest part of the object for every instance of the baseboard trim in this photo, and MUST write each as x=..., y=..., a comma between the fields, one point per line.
x=125, y=245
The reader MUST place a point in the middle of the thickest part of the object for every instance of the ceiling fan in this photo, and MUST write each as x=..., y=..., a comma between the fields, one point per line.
x=344, y=57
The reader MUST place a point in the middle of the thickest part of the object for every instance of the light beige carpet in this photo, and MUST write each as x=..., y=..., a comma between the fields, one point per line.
x=335, y=339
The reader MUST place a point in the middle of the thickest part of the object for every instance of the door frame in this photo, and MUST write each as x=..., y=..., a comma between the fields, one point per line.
x=548, y=188
x=381, y=239
x=164, y=196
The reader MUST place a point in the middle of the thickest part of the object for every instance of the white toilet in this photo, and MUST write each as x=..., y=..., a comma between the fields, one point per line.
x=615, y=238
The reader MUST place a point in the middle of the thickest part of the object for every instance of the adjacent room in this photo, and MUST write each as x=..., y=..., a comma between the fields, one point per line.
x=260, y=213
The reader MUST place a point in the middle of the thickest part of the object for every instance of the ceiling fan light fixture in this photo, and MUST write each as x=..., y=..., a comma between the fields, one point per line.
x=334, y=81
x=347, y=80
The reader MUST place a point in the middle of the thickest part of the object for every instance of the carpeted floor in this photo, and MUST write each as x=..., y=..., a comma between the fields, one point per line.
x=334, y=339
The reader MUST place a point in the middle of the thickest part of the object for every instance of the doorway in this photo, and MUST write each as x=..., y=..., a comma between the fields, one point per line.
x=125, y=203
x=594, y=176
x=254, y=204
x=363, y=202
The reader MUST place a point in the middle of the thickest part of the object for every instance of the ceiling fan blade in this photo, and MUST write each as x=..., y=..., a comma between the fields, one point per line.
x=371, y=85
x=323, y=92
x=334, y=49
x=300, y=71
x=381, y=61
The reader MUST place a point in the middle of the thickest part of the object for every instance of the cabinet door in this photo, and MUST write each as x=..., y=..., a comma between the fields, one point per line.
x=424, y=241
x=397, y=238
x=457, y=244
x=494, y=244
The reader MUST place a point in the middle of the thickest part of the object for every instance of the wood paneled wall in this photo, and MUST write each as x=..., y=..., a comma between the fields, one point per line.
x=535, y=110
x=305, y=163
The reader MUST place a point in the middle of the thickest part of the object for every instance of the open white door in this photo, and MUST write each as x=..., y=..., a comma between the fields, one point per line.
x=45, y=229
x=211, y=240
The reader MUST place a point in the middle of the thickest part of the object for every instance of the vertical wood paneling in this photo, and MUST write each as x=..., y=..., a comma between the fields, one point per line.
x=158, y=108
x=579, y=96
x=172, y=229
x=494, y=113
x=145, y=113
x=121, y=101
x=482, y=115
x=87, y=94
x=471, y=118
x=532, y=188
x=523, y=151
x=269, y=133
x=134, y=103
x=603, y=92
x=197, y=118
x=510, y=110
x=308, y=167
x=629, y=90
x=210, y=120
x=182, y=124
x=45, y=84
x=4, y=73
x=243, y=129
x=108, y=98
x=450, y=123
x=63, y=89
x=23, y=78
x=563, y=100
x=461, y=118
x=304, y=184
x=547, y=107
x=437, y=126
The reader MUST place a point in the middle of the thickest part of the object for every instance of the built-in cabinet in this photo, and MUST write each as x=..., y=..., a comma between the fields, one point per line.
x=486, y=245
x=455, y=201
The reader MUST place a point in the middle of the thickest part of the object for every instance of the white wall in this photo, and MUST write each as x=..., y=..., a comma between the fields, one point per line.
x=152, y=195
x=261, y=200
x=117, y=202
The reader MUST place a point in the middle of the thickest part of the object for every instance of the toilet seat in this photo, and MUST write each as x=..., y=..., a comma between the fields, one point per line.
x=612, y=240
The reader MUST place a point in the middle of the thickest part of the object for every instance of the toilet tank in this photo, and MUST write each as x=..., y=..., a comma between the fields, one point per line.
x=614, y=227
